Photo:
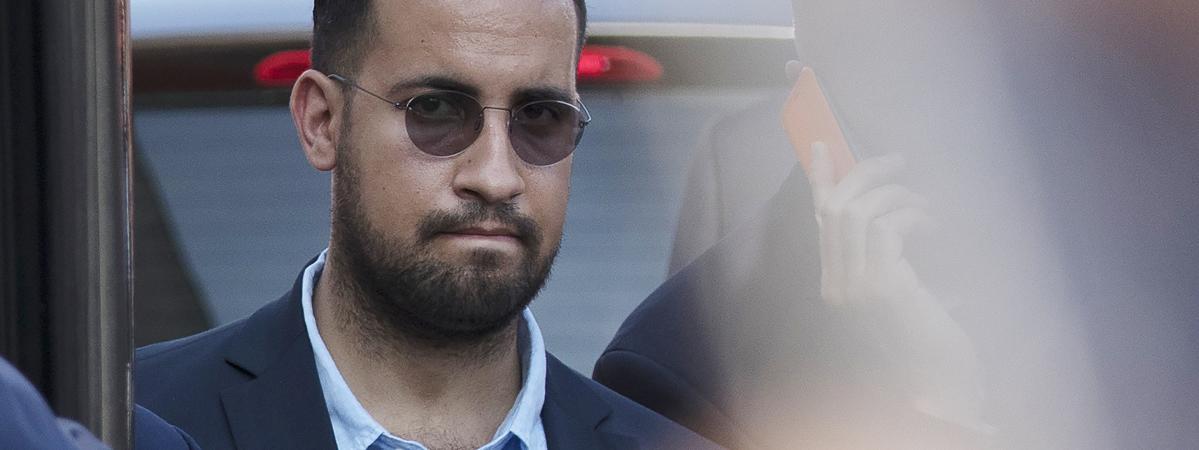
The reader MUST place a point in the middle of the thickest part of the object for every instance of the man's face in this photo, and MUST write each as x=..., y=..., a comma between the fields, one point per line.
x=452, y=246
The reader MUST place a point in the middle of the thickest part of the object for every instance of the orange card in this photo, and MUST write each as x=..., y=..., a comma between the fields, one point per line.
x=808, y=119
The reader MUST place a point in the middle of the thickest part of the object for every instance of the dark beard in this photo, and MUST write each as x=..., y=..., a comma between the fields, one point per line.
x=400, y=290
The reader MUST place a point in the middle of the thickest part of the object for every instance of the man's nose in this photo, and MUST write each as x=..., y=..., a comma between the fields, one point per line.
x=489, y=170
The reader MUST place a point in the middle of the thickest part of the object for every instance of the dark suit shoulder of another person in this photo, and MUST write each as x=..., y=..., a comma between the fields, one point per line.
x=739, y=340
x=720, y=326
x=153, y=433
x=253, y=384
x=27, y=421
x=30, y=424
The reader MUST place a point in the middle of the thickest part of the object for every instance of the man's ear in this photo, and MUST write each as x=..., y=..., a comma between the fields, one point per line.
x=316, y=103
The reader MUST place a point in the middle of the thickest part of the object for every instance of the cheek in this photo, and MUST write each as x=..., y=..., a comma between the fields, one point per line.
x=393, y=206
x=396, y=191
x=548, y=195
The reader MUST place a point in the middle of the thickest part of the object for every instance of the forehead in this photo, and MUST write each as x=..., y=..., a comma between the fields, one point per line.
x=493, y=44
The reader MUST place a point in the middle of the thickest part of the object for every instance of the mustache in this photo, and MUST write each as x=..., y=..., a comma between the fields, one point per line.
x=526, y=229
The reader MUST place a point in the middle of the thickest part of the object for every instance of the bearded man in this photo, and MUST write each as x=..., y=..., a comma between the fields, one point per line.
x=448, y=127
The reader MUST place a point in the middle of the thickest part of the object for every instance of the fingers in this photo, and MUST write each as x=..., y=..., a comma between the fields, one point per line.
x=866, y=212
x=843, y=236
x=866, y=175
x=832, y=275
x=822, y=174
x=792, y=70
x=888, y=271
x=863, y=220
x=886, y=234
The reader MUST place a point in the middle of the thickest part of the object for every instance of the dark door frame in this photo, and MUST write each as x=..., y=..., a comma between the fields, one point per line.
x=65, y=206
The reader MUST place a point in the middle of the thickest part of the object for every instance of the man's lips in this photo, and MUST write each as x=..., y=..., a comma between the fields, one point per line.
x=484, y=232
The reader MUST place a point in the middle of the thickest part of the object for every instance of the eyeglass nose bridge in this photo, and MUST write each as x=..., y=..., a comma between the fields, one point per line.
x=479, y=123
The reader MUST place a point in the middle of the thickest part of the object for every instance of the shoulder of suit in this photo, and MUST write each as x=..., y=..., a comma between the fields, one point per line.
x=206, y=342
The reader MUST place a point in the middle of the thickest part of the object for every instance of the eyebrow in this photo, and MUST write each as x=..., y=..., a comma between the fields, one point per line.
x=544, y=93
x=523, y=95
x=435, y=82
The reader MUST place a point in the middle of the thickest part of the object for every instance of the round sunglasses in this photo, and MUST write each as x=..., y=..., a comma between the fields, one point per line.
x=444, y=123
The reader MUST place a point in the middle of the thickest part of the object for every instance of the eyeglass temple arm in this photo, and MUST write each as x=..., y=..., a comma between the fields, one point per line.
x=586, y=112
x=341, y=79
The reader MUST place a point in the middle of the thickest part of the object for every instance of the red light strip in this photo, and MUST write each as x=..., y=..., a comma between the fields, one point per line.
x=281, y=69
x=602, y=64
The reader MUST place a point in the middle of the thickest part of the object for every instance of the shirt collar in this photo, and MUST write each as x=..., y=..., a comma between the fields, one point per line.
x=353, y=426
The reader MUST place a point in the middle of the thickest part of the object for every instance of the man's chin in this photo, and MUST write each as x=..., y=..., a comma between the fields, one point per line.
x=482, y=299
x=501, y=261
x=459, y=330
x=493, y=263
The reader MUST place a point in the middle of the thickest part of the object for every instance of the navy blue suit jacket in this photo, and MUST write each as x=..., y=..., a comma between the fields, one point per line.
x=152, y=433
x=253, y=384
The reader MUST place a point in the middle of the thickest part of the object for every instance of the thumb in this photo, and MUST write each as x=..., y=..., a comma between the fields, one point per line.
x=821, y=175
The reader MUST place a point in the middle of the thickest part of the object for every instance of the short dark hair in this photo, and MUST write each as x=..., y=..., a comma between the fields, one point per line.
x=339, y=28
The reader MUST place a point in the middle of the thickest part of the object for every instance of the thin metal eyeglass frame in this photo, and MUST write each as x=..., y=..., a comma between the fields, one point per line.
x=404, y=105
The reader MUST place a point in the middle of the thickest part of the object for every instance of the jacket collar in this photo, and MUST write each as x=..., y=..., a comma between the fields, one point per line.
x=574, y=414
x=283, y=406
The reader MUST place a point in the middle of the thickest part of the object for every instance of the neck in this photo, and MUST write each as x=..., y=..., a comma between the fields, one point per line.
x=440, y=394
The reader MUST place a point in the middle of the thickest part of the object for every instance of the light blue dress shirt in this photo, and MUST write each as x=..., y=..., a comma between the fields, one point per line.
x=354, y=428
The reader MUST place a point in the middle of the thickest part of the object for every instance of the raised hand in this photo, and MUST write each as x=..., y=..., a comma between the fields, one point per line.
x=863, y=220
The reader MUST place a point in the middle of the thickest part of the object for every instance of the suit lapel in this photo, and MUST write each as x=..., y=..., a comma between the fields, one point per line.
x=573, y=413
x=283, y=405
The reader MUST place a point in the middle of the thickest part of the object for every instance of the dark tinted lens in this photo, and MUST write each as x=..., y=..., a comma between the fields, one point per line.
x=442, y=123
x=545, y=132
